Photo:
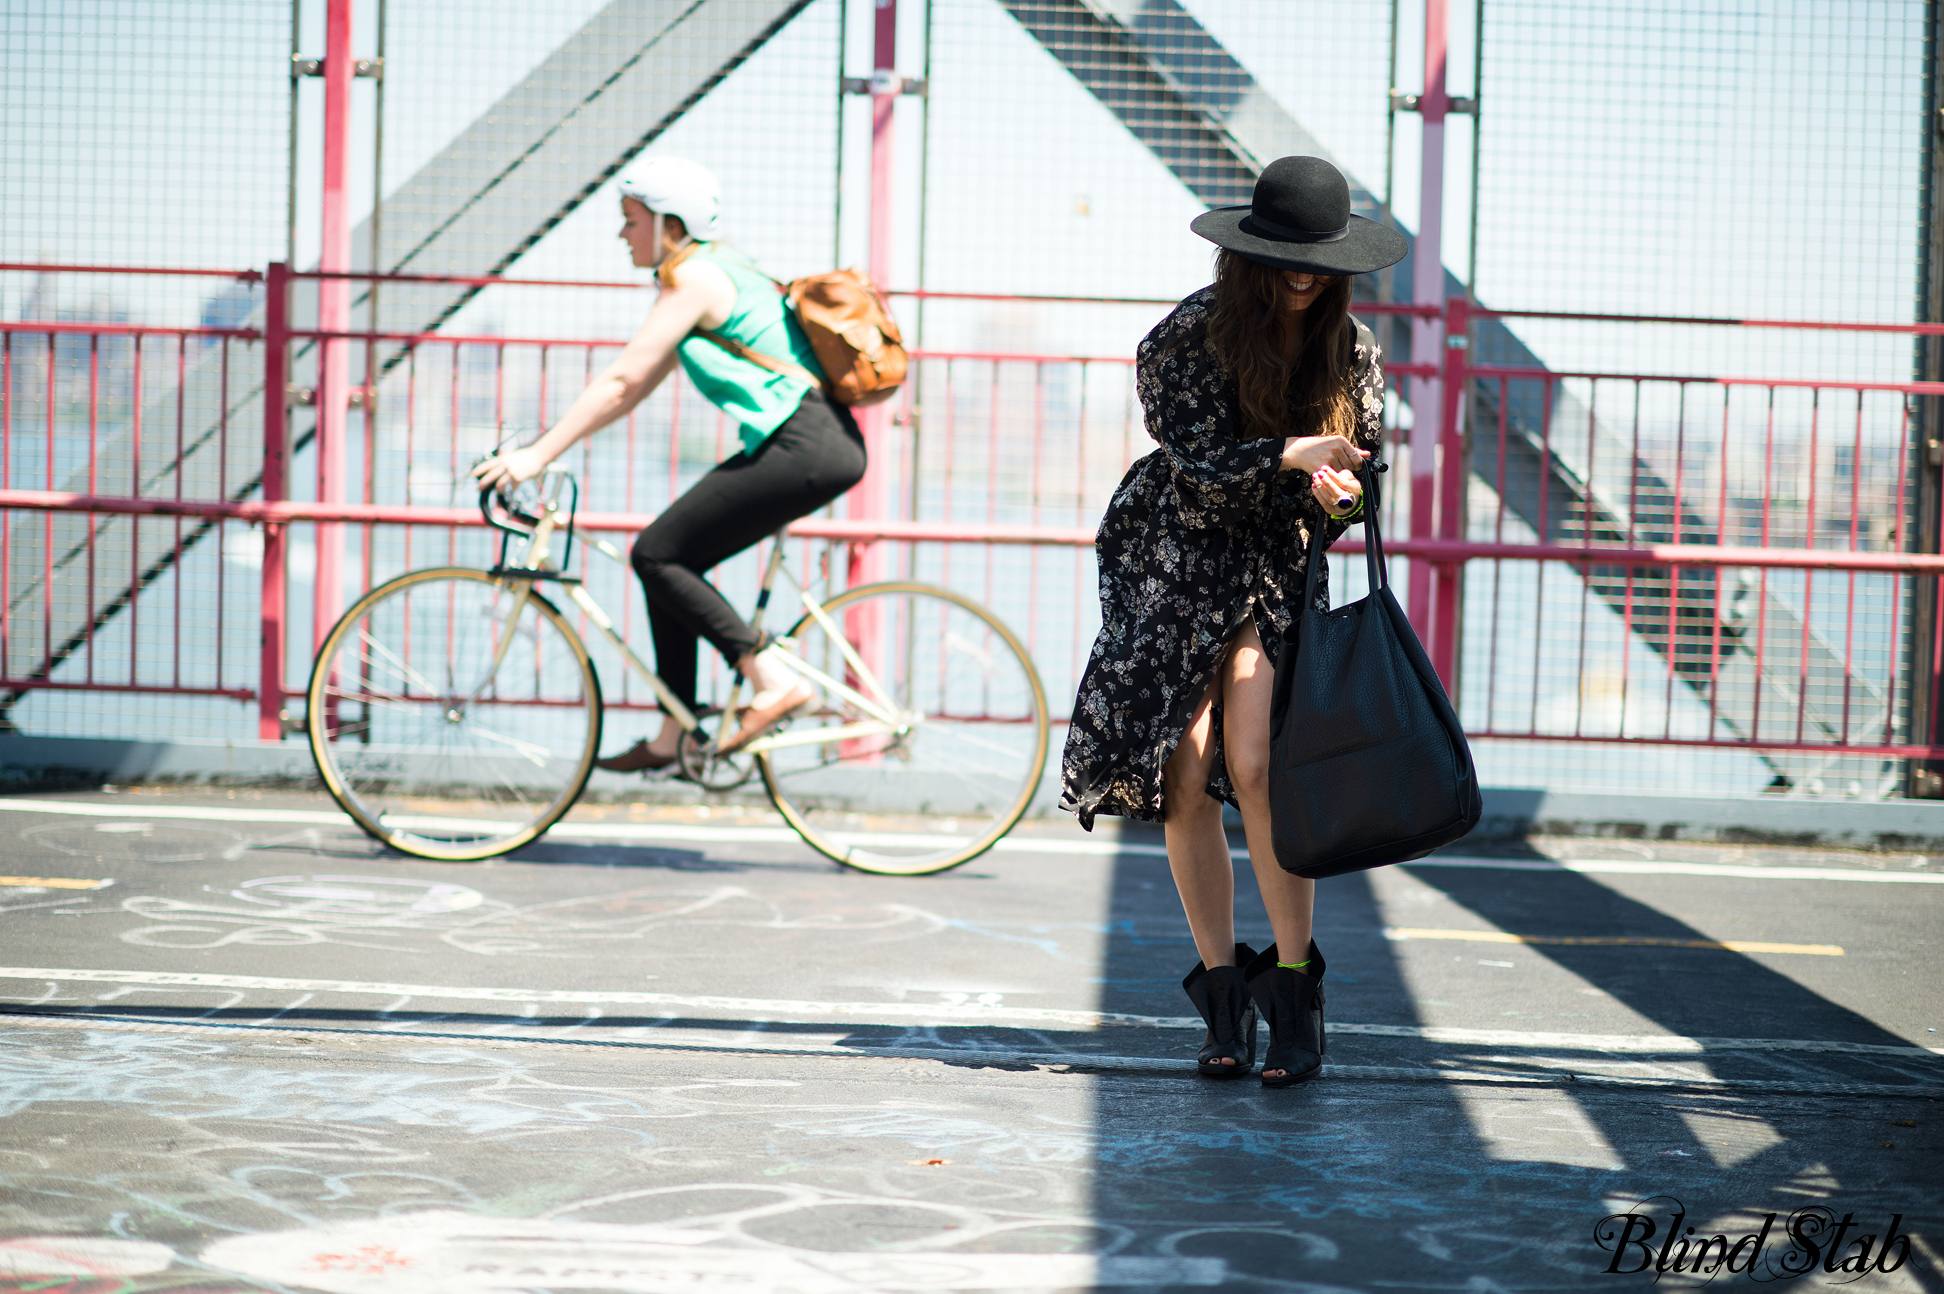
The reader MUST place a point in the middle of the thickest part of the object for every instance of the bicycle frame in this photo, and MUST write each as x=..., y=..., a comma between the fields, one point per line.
x=874, y=700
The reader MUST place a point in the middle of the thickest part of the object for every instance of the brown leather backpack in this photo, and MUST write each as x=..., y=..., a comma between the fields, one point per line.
x=850, y=327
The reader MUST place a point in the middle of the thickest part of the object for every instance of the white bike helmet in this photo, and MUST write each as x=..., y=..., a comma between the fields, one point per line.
x=673, y=186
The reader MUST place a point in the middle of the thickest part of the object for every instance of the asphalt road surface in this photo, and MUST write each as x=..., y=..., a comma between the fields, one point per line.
x=244, y=1048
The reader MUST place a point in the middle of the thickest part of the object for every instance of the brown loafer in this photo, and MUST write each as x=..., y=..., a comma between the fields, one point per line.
x=635, y=759
x=756, y=722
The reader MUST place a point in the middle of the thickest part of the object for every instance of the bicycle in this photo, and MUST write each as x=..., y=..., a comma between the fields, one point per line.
x=456, y=714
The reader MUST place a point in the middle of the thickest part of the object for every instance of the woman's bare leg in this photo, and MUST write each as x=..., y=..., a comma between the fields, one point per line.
x=1247, y=683
x=759, y=675
x=1198, y=852
x=663, y=743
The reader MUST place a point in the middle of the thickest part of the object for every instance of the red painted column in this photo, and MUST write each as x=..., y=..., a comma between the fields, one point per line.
x=1448, y=583
x=1427, y=289
x=885, y=87
x=870, y=499
x=274, y=606
x=334, y=309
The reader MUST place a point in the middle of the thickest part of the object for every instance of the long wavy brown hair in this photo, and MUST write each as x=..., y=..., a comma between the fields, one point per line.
x=1292, y=374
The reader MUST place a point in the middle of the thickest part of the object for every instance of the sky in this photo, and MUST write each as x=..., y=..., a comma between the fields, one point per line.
x=1651, y=156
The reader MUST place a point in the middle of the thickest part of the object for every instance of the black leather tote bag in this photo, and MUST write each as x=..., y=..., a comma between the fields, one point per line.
x=1367, y=763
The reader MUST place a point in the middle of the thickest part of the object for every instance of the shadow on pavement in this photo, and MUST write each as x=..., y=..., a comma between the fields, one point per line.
x=1687, y=991
x=643, y=856
x=1415, y=1183
x=978, y=1043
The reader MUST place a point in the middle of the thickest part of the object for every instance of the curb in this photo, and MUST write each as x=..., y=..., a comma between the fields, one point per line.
x=1511, y=813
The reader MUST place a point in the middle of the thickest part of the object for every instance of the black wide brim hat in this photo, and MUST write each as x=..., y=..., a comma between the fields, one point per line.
x=1300, y=220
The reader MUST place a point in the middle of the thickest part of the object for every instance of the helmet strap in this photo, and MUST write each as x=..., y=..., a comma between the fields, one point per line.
x=662, y=253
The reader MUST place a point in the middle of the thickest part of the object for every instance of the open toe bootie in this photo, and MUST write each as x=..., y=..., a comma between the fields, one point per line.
x=1221, y=995
x=1292, y=1001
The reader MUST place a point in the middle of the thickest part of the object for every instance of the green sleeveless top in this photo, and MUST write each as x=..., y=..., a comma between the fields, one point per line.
x=755, y=397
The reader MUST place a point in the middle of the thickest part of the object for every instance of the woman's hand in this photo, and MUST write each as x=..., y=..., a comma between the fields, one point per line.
x=507, y=470
x=1311, y=453
x=1337, y=490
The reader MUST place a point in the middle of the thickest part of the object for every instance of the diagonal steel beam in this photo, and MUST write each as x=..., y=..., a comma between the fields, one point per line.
x=528, y=162
x=1203, y=115
x=553, y=140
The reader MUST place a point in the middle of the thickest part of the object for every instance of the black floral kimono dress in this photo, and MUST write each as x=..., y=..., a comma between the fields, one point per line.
x=1201, y=534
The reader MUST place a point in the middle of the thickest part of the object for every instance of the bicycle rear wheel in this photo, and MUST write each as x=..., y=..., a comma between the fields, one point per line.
x=953, y=770
x=455, y=716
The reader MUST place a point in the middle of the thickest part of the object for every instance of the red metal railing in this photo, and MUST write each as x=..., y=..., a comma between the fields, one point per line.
x=1738, y=546
x=96, y=372
x=1625, y=561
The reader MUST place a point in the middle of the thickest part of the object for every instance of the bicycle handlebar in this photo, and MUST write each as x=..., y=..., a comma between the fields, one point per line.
x=497, y=506
x=510, y=519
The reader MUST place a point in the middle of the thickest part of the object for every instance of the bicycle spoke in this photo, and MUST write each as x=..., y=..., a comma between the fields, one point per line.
x=373, y=697
x=970, y=740
x=538, y=754
x=398, y=666
x=431, y=770
x=856, y=797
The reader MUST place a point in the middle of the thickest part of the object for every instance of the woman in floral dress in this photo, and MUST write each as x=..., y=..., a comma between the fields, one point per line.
x=1266, y=397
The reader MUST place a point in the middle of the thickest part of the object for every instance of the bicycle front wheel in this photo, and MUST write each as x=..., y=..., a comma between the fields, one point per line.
x=932, y=746
x=453, y=715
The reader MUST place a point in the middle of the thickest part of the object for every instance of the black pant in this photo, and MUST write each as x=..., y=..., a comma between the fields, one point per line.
x=811, y=459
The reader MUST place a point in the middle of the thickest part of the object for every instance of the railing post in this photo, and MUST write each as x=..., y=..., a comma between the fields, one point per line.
x=333, y=312
x=276, y=488
x=1926, y=780
x=1449, y=580
x=1428, y=289
x=870, y=498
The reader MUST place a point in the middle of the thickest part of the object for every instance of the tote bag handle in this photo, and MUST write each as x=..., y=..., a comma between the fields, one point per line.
x=1376, y=568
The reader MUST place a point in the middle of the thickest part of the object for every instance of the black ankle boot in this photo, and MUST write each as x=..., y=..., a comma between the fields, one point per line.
x=1221, y=995
x=1292, y=1002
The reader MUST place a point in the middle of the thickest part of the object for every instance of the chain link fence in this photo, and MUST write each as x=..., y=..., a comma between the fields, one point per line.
x=1644, y=157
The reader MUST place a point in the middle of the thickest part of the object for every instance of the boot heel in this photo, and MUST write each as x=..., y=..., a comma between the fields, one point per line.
x=1292, y=1002
x=1221, y=997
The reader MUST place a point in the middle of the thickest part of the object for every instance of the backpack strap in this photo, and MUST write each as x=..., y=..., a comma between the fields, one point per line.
x=761, y=360
x=723, y=250
x=756, y=357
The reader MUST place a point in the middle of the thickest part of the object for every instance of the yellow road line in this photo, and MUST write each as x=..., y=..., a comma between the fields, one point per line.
x=1614, y=941
x=53, y=882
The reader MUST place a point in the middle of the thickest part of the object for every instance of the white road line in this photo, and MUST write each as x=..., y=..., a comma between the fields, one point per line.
x=656, y=832
x=1636, y=867
x=191, y=813
x=762, y=1010
x=1585, y=866
x=743, y=1007
x=1397, y=934
x=673, y=832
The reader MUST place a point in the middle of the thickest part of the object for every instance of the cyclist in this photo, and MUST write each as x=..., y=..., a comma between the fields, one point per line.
x=799, y=449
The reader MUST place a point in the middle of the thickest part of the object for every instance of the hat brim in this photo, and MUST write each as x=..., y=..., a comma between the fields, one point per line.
x=1367, y=246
